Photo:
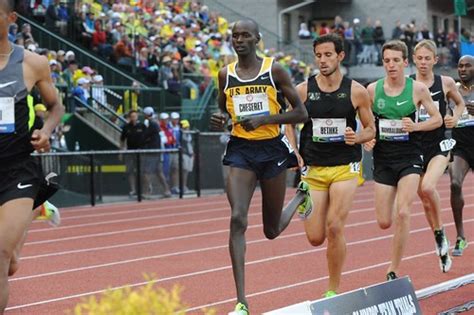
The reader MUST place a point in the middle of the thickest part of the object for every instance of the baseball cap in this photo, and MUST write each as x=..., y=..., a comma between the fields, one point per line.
x=149, y=111
x=164, y=116
x=184, y=123
x=40, y=108
x=82, y=81
x=174, y=115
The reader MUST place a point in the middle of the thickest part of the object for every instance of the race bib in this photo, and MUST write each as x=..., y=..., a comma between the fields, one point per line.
x=447, y=144
x=391, y=130
x=7, y=115
x=247, y=105
x=423, y=114
x=465, y=120
x=328, y=129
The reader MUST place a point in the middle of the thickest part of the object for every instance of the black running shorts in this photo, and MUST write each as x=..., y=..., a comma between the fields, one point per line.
x=266, y=158
x=20, y=178
x=390, y=173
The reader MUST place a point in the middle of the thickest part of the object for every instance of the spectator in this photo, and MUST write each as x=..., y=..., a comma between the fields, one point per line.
x=132, y=138
x=130, y=97
x=369, y=52
x=152, y=162
x=440, y=38
x=123, y=51
x=99, y=99
x=188, y=153
x=81, y=91
x=57, y=16
x=12, y=32
x=324, y=29
x=167, y=142
x=397, y=31
x=303, y=32
x=174, y=158
x=166, y=73
x=379, y=40
x=99, y=41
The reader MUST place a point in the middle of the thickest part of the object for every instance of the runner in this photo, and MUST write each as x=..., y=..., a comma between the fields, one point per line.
x=463, y=153
x=256, y=151
x=20, y=174
x=435, y=144
x=397, y=152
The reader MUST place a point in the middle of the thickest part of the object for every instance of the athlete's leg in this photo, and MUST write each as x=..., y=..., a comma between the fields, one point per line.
x=276, y=219
x=406, y=194
x=240, y=188
x=15, y=216
x=341, y=195
x=315, y=223
x=384, y=203
x=428, y=193
x=458, y=171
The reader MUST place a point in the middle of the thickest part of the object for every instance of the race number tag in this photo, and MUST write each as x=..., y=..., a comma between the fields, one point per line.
x=7, y=115
x=391, y=130
x=354, y=167
x=247, y=105
x=423, y=113
x=447, y=144
x=465, y=120
x=328, y=129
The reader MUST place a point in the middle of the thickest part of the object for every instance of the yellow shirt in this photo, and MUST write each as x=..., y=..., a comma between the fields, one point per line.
x=253, y=97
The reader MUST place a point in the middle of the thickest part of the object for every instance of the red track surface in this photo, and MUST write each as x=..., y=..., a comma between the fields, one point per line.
x=185, y=242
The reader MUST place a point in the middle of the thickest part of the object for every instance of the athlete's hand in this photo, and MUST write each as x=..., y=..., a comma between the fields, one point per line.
x=252, y=123
x=300, y=160
x=40, y=140
x=349, y=136
x=218, y=121
x=408, y=125
x=369, y=146
x=449, y=121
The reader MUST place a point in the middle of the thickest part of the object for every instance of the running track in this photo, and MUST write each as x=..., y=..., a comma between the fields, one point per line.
x=185, y=242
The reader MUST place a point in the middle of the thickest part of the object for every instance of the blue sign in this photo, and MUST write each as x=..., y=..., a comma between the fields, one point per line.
x=395, y=297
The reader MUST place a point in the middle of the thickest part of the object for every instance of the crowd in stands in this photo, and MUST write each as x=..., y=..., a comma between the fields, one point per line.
x=363, y=42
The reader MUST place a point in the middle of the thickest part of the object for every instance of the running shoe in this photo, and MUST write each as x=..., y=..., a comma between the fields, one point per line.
x=445, y=263
x=391, y=276
x=442, y=243
x=50, y=213
x=241, y=309
x=329, y=294
x=306, y=207
x=461, y=245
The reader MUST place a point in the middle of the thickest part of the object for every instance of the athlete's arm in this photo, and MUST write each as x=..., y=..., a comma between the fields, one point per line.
x=37, y=67
x=290, y=131
x=369, y=146
x=219, y=119
x=361, y=99
x=453, y=94
x=421, y=95
x=298, y=114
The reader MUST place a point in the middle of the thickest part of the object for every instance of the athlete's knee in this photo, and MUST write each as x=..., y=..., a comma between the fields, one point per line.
x=456, y=187
x=427, y=189
x=270, y=232
x=334, y=229
x=384, y=222
x=316, y=239
x=238, y=223
x=403, y=216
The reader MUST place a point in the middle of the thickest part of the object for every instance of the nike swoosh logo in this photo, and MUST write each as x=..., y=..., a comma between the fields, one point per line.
x=20, y=186
x=264, y=77
x=435, y=93
x=281, y=162
x=2, y=85
x=401, y=103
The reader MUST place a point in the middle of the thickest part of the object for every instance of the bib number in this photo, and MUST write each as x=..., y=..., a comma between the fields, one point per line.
x=248, y=105
x=328, y=129
x=7, y=115
x=354, y=167
x=447, y=144
x=391, y=130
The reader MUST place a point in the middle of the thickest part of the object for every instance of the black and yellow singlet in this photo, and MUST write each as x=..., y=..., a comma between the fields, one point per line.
x=252, y=97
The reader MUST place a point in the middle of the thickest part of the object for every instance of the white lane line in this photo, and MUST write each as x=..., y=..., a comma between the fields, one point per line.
x=53, y=240
x=293, y=285
x=187, y=236
x=140, y=259
x=207, y=271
